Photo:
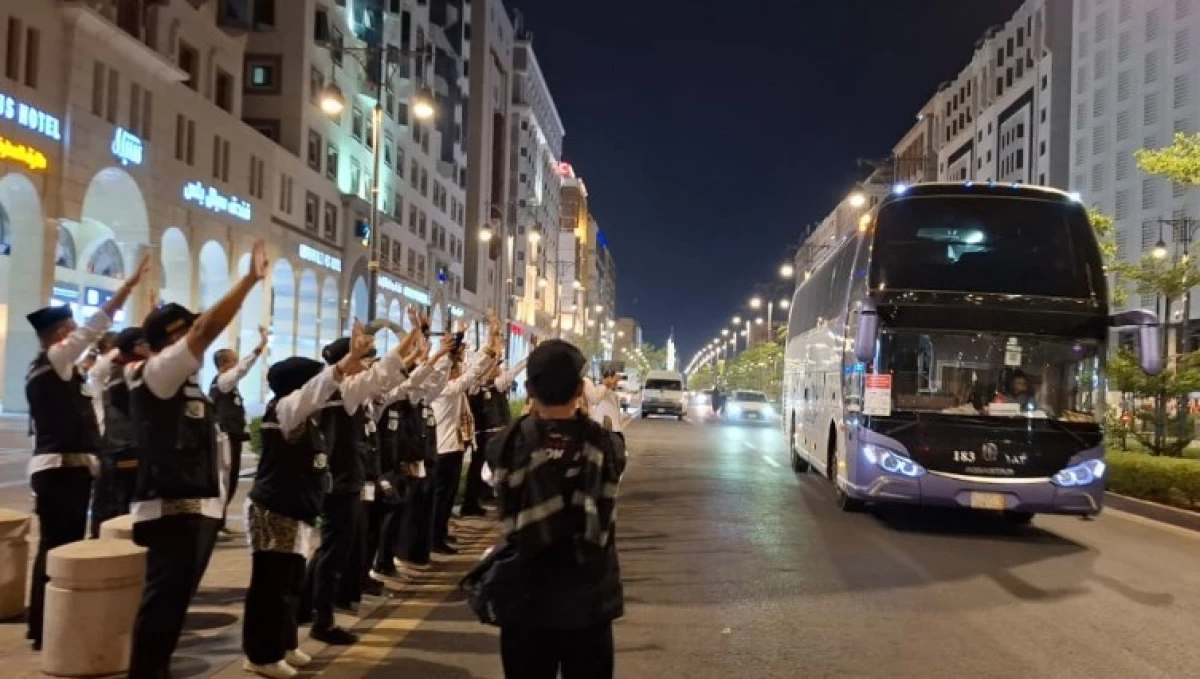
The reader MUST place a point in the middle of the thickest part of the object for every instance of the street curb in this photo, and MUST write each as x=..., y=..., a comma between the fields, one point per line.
x=1180, y=518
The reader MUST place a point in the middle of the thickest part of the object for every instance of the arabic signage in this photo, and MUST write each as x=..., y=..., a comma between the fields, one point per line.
x=315, y=256
x=26, y=155
x=127, y=147
x=391, y=285
x=417, y=296
x=30, y=117
x=211, y=199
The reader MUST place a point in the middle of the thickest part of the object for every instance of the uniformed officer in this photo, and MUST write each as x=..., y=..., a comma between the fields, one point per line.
x=489, y=406
x=118, y=453
x=178, y=501
x=65, y=430
x=231, y=412
x=281, y=512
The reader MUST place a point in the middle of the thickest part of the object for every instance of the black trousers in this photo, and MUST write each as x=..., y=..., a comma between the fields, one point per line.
x=358, y=565
x=269, y=628
x=340, y=517
x=542, y=654
x=389, y=536
x=235, y=470
x=112, y=493
x=416, y=532
x=179, y=548
x=61, y=505
x=449, y=472
x=475, y=490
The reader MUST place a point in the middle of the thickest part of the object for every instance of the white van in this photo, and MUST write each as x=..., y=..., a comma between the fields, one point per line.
x=662, y=394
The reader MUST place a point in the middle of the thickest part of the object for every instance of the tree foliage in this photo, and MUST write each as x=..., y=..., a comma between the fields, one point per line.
x=1179, y=162
x=704, y=378
x=759, y=368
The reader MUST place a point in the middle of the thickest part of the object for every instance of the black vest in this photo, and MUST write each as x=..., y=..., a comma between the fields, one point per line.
x=119, y=433
x=293, y=476
x=231, y=413
x=411, y=446
x=345, y=436
x=392, y=437
x=60, y=411
x=489, y=405
x=430, y=438
x=176, y=441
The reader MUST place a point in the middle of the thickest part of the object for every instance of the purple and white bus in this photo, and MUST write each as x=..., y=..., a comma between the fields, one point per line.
x=951, y=352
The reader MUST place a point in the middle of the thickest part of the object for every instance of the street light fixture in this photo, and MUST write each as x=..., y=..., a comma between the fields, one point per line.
x=787, y=271
x=858, y=199
x=724, y=332
x=422, y=104
x=486, y=233
x=785, y=304
x=1160, y=250
x=755, y=302
x=737, y=320
x=333, y=102
x=758, y=321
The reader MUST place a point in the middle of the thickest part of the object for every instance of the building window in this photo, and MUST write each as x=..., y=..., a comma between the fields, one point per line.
x=356, y=123
x=316, y=85
x=33, y=42
x=331, y=215
x=414, y=174
x=412, y=262
x=98, y=71
x=331, y=161
x=114, y=87
x=421, y=226
x=397, y=252
x=335, y=39
x=135, y=108
x=412, y=218
x=262, y=73
x=314, y=150
x=268, y=128
x=285, y=194
x=147, y=114
x=223, y=91
x=355, y=176
x=312, y=211
x=387, y=150
x=399, y=160
x=397, y=205
x=385, y=247
x=424, y=183
x=189, y=62
x=191, y=142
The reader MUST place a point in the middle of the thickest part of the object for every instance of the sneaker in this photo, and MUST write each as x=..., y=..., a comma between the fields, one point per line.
x=276, y=670
x=373, y=588
x=392, y=578
x=298, y=658
x=334, y=636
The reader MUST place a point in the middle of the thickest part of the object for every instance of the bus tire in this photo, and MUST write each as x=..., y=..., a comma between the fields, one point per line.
x=840, y=498
x=799, y=464
x=1019, y=518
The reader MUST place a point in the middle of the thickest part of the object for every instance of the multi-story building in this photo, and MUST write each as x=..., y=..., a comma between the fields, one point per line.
x=537, y=143
x=1135, y=85
x=570, y=269
x=627, y=336
x=1005, y=116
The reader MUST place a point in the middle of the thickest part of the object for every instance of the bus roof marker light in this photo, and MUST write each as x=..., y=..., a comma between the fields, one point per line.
x=1075, y=196
x=968, y=183
x=900, y=189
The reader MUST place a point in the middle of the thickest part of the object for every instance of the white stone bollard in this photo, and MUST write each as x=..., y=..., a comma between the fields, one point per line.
x=91, y=602
x=118, y=528
x=14, y=562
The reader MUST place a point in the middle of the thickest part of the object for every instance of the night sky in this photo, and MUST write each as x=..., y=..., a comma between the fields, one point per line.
x=709, y=133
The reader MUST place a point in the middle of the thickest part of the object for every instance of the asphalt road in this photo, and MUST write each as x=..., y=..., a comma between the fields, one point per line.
x=736, y=567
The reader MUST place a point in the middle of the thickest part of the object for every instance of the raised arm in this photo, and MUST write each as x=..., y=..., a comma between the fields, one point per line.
x=505, y=381
x=228, y=380
x=213, y=321
x=293, y=409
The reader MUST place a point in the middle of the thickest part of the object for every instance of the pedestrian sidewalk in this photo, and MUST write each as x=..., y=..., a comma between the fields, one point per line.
x=211, y=642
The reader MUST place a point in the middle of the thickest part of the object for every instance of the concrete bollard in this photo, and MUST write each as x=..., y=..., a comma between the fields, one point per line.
x=119, y=528
x=14, y=562
x=91, y=602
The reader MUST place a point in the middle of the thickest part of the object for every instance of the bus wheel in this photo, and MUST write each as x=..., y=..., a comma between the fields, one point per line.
x=799, y=464
x=1019, y=518
x=840, y=498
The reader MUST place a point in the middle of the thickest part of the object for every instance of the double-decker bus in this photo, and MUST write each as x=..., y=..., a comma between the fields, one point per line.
x=951, y=352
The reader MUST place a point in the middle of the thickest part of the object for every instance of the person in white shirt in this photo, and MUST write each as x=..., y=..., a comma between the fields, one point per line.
x=231, y=411
x=179, y=499
x=455, y=428
x=99, y=371
x=66, y=432
x=604, y=404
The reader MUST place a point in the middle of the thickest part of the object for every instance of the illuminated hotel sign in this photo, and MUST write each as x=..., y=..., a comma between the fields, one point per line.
x=565, y=170
x=25, y=155
x=391, y=285
x=210, y=198
x=416, y=296
x=315, y=256
x=30, y=117
x=127, y=147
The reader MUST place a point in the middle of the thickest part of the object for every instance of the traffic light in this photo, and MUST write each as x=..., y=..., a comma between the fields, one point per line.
x=362, y=231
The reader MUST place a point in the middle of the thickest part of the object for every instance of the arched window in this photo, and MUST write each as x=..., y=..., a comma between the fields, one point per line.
x=65, y=253
x=107, y=261
x=5, y=232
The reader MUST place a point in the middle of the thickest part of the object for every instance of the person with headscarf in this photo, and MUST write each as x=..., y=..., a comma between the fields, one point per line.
x=65, y=430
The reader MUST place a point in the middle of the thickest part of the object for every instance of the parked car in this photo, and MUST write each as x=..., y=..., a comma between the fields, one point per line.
x=750, y=406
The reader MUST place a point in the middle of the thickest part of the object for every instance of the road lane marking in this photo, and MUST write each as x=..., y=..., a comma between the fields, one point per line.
x=771, y=461
x=749, y=445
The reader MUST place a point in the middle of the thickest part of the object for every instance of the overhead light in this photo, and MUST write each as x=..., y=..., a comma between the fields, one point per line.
x=332, y=100
x=422, y=104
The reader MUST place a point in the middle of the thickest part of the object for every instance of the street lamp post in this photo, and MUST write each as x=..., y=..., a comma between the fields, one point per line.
x=333, y=103
x=1183, y=232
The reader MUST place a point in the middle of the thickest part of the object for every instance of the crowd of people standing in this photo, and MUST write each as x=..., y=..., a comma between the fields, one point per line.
x=360, y=463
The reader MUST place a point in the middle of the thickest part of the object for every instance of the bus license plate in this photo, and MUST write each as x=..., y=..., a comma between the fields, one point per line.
x=987, y=501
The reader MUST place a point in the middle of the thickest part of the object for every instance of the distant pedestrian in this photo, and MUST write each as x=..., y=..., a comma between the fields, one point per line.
x=557, y=475
x=230, y=411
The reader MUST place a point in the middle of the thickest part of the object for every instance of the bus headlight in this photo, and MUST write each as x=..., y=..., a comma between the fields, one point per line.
x=734, y=409
x=768, y=411
x=892, y=462
x=1080, y=475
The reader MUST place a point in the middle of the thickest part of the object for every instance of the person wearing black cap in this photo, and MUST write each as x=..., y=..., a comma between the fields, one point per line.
x=178, y=500
x=231, y=413
x=65, y=430
x=343, y=421
x=284, y=502
x=489, y=407
x=572, y=588
x=114, y=487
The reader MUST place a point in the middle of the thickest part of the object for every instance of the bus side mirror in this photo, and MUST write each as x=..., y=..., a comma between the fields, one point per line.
x=1150, y=338
x=867, y=332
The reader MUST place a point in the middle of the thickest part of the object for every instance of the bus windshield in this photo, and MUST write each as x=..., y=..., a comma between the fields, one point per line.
x=993, y=374
x=1016, y=246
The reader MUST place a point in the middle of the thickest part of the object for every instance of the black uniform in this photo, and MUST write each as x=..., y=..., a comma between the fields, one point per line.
x=358, y=569
x=489, y=405
x=179, y=468
x=289, y=487
x=416, y=532
x=64, y=423
x=231, y=418
x=396, y=457
x=118, y=453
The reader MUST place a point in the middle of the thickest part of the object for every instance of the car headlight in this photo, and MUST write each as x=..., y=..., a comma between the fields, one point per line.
x=768, y=411
x=734, y=409
x=1080, y=475
x=892, y=462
